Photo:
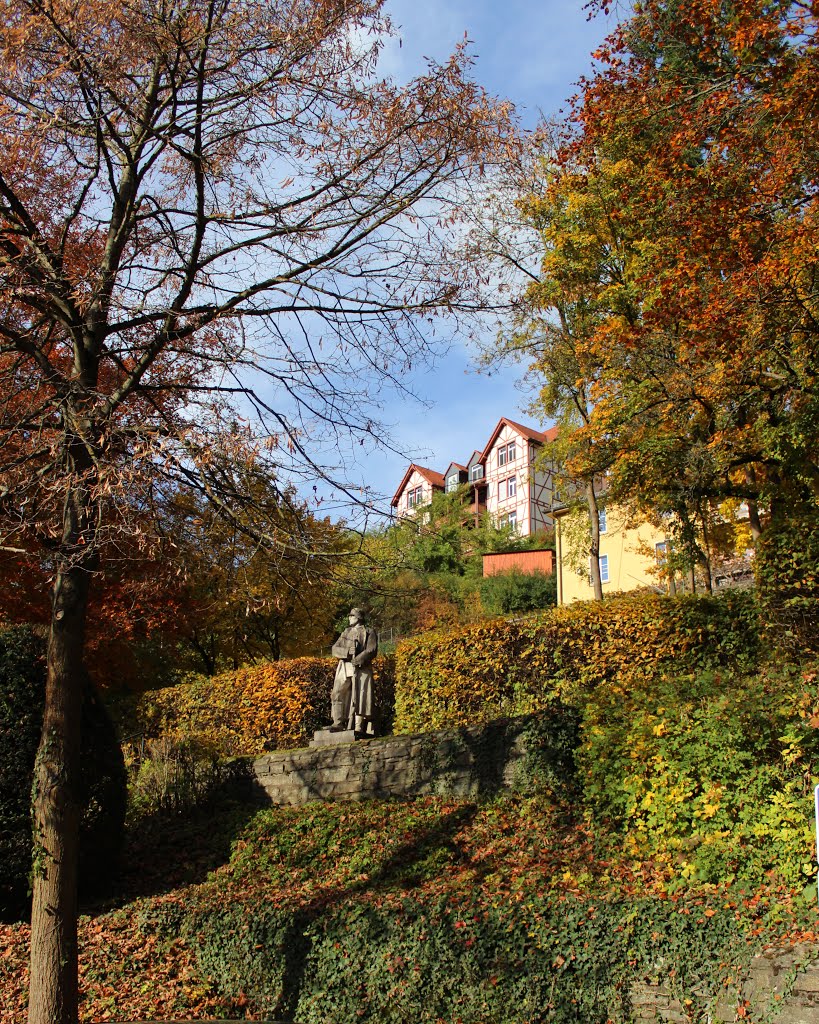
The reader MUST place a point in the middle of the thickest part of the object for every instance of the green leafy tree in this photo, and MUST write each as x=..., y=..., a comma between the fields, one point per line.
x=426, y=569
x=516, y=591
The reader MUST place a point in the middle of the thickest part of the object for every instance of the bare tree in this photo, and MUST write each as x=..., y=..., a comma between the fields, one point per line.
x=217, y=227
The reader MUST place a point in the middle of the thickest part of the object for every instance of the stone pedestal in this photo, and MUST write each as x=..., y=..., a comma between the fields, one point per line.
x=461, y=764
x=326, y=738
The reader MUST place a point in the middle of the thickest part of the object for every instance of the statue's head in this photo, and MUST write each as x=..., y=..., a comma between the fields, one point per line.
x=356, y=616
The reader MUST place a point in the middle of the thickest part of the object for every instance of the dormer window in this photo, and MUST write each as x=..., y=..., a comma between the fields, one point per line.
x=476, y=472
x=452, y=482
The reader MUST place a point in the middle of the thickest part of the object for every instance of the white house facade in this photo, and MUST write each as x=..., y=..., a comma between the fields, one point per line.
x=502, y=479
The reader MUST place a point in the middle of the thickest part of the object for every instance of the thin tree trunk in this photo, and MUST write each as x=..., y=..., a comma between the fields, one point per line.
x=705, y=552
x=754, y=521
x=56, y=809
x=667, y=568
x=753, y=508
x=594, y=549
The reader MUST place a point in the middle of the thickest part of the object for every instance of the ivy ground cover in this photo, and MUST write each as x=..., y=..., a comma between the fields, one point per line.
x=433, y=910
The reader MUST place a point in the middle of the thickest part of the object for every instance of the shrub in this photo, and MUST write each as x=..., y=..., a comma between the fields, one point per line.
x=500, y=668
x=180, y=774
x=275, y=705
x=21, y=694
x=708, y=775
x=102, y=774
x=787, y=574
x=517, y=591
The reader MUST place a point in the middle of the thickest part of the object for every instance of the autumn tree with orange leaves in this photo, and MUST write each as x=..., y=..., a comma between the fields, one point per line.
x=679, y=229
x=220, y=232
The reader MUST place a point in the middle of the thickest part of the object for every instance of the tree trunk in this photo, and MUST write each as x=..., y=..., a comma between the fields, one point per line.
x=56, y=810
x=754, y=521
x=753, y=508
x=705, y=552
x=594, y=548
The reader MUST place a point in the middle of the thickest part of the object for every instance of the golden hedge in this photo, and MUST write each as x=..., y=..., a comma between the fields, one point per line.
x=493, y=669
x=269, y=706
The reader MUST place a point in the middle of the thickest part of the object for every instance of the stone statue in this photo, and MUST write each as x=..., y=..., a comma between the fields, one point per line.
x=351, y=702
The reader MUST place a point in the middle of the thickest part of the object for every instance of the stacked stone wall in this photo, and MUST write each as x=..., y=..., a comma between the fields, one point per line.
x=468, y=762
x=781, y=986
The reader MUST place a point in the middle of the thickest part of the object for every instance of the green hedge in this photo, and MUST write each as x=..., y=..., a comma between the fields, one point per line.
x=500, y=668
x=102, y=775
x=709, y=775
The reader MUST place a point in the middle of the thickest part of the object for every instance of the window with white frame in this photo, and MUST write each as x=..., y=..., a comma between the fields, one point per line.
x=507, y=453
x=452, y=483
x=512, y=519
x=476, y=472
x=661, y=552
x=507, y=488
x=601, y=519
x=603, y=562
x=415, y=497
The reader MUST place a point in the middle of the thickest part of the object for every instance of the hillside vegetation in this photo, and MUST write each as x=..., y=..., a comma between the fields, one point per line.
x=683, y=846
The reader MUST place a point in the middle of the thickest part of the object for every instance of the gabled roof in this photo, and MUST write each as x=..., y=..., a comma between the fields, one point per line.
x=472, y=459
x=428, y=474
x=454, y=465
x=538, y=436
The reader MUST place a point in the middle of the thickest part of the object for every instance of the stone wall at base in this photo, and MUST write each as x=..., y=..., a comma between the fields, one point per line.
x=780, y=986
x=467, y=762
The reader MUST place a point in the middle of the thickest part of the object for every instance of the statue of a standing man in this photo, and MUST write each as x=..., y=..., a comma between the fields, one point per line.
x=351, y=702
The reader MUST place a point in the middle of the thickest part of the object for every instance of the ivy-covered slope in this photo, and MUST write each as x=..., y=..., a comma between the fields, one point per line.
x=683, y=844
x=689, y=849
x=428, y=911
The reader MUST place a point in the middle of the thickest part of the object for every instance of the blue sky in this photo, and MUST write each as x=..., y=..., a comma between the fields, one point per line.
x=534, y=54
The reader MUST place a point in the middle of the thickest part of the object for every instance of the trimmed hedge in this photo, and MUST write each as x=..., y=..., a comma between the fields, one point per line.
x=501, y=668
x=271, y=706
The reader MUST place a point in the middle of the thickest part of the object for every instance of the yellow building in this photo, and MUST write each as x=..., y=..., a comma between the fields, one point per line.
x=630, y=556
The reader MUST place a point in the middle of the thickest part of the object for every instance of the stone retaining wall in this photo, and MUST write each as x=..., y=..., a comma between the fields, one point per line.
x=780, y=986
x=466, y=763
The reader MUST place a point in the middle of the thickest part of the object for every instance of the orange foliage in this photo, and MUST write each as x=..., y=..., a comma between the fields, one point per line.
x=681, y=227
x=274, y=705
